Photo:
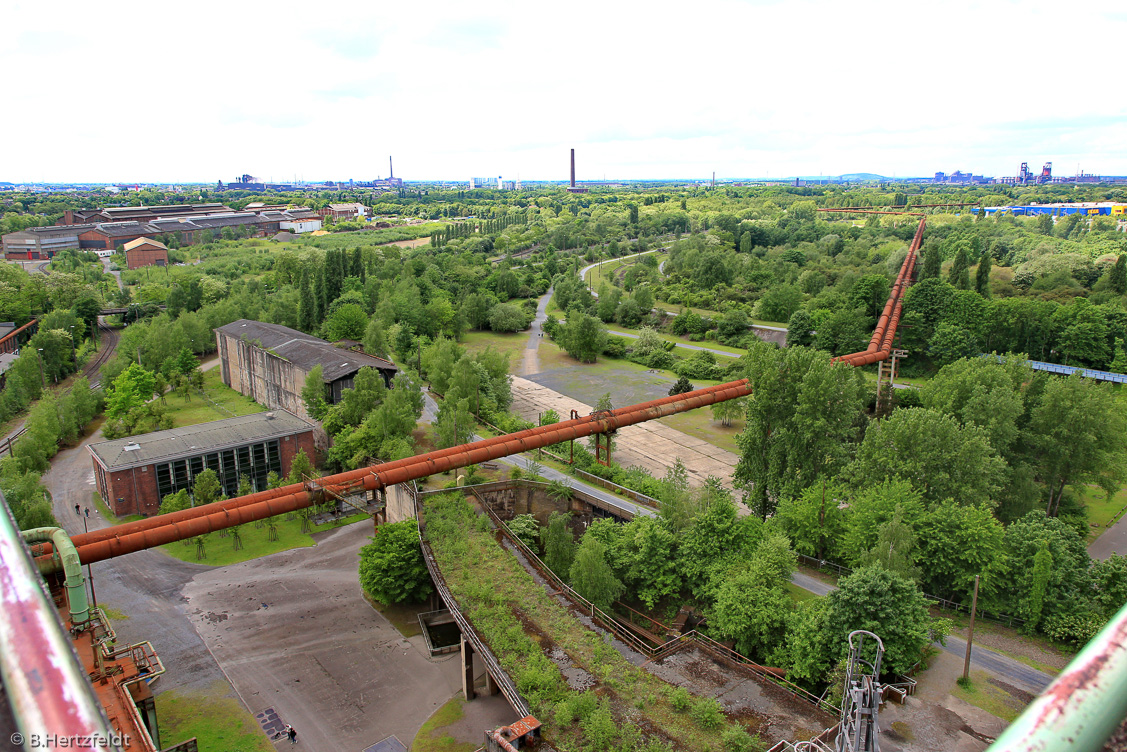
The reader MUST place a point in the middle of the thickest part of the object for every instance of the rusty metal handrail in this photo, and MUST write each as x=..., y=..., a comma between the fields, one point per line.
x=504, y=682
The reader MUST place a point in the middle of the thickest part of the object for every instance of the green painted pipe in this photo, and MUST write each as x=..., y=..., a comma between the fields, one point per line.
x=72, y=568
x=1082, y=706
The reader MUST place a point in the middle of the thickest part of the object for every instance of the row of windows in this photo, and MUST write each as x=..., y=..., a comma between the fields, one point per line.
x=255, y=461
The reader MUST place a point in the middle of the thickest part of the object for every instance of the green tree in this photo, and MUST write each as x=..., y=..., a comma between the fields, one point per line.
x=559, y=544
x=1109, y=577
x=206, y=488
x=455, y=423
x=301, y=467
x=814, y=520
x=591, y=575
x=313, y=393
x=728, y=411
x=132, y=389
x=959, y=275
x=1079, y=433
x=346, y=322
x=895, y=549
x=1068, y=583
x=648, y=560
x=799, y=418
x=307, y=306
x=508, y=317
x=931, y=451
x=175, y=502
x=982, y=275
x=681, y=386
x=885, y=604
x=800, y=329
x=1117, y=279
x=392, y=569
x=583, y=337
x=751, y=608
x=375, y=340
x=950, y=343
x=1035, y=603
x=958, y=542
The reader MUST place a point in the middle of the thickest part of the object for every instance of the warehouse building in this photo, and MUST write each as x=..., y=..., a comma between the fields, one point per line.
x=133, y=474
x=145, y=252
x=269, y=363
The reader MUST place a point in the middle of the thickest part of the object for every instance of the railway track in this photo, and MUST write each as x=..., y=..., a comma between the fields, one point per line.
x=109, y=346
x=90, y=371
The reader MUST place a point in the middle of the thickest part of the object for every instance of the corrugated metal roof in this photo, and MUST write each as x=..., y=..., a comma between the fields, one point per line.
x=162, y=446
x=303, y=350
x=144, y=241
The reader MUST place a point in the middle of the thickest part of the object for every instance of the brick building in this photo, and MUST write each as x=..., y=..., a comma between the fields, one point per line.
x=133, y=474
x=269, y=363
x=145, y=252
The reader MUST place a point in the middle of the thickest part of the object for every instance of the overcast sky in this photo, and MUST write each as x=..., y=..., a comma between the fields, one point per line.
x=203, y=91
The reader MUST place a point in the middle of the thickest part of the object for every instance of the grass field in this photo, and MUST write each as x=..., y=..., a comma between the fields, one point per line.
x=798, y=595
x=512, y=344
x=218, y=722
x=734, y=351
x=980, y=693
x=189, y=412
x=1101, y=509
x=220, y=551
x=431, y=737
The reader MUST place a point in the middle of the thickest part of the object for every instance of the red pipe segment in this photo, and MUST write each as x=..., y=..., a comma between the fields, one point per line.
x=346, y=477
x=880, y=345
x=123, y=539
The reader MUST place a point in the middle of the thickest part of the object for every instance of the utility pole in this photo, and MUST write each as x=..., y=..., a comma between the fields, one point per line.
x=970, y=631
x=42, y=374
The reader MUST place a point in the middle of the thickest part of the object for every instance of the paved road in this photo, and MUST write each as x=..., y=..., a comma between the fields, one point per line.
x=1113, y=541
x=997, y=665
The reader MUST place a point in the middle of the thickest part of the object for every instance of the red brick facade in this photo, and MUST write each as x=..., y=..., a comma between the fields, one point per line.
x=134, y=490
x=146, y=254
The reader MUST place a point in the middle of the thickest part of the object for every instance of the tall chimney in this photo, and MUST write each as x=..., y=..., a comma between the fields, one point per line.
x=390, y=170
x=573, y=168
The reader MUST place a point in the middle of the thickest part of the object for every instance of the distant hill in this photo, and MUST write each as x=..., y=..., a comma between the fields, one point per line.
x=863, y=176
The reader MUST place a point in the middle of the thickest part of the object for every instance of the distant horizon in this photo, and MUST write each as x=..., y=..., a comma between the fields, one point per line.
x=562, y=181
x=739, y=87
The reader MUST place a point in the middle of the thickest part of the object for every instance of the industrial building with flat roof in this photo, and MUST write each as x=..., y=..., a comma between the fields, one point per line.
x=269, y=364
x=133, y=223
x=133, y=474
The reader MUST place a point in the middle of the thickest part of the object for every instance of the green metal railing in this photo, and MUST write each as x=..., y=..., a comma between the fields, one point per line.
x=1083, y=706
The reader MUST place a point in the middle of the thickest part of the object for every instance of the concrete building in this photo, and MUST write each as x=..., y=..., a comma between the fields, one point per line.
x=42, y=242
x=269, y=364
x=145, y=252
x=131, y=223
x=344, y=212
x=133, y=474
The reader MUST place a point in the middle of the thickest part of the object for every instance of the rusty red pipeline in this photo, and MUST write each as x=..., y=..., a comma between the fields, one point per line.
x=156, y=531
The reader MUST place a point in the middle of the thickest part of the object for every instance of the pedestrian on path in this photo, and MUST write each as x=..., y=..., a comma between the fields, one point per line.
x=291, y=733
x=87, y=511
x=78, y=509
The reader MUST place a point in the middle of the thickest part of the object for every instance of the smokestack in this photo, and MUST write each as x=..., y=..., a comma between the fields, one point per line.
x=573, y=168
x=390, y=169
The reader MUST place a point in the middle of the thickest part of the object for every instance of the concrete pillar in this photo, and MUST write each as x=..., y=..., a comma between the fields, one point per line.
x=491, y=687
x=467, y=670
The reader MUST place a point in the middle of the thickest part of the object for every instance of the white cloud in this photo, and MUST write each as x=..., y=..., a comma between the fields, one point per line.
x=159, y=92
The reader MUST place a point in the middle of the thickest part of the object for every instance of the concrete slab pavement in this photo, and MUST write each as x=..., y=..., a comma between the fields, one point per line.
x=651, y=445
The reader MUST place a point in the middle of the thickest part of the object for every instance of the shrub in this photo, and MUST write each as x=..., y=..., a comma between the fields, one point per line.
x=680, y=699
x=707, y=713
x=736, y=739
